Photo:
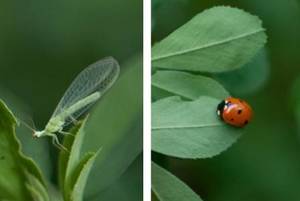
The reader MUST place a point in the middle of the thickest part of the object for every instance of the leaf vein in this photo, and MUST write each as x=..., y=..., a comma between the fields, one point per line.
x=207, y=45
x=183, y=127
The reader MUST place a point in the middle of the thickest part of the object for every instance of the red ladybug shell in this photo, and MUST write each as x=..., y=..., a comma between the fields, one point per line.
x=235, y=112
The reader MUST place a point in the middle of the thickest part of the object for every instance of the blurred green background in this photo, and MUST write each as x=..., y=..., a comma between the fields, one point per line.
x=264, y=165
x=44, y=45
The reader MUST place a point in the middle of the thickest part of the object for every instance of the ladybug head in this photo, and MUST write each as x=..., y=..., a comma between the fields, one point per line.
x=220, y=108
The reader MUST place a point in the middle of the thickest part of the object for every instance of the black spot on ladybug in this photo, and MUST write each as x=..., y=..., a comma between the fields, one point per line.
x=239, y=111
x=220, y=109
x=246, y=122
x=232, y=119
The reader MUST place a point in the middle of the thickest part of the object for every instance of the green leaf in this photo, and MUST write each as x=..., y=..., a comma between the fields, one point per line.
x=158, y=93
x=115, y=124
x=36, y=196
x=167, y=187
x=73, y=171
x=248, y=79
x=188, y=86
x=217, y=40
x=190, y=129
x=64, y=156
x=38, y=150
x=37, y=189
x=81, y=176
x=69, y=162
x=15, y=167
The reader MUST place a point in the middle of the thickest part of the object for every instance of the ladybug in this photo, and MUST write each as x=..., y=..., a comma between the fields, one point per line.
x=235, y=112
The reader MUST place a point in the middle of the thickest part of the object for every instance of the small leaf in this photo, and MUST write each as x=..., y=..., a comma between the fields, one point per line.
x=64, y=156
x=187, y=86
x=69, y=162
x=81, y=176
x=14, y=165
x=217, y=40
x=190, y=129
x=74, y=155
x=36, y=196
x=167, y=187
x=248, y=79
x=37, y=189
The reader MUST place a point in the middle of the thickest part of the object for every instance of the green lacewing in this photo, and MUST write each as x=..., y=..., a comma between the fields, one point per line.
x=86, y=89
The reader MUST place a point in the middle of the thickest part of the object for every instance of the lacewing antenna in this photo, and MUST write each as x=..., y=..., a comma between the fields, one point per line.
x=26, y=125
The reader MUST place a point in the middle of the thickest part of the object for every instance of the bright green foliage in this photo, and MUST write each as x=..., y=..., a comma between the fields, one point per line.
x=20, y=177
x=73, y=171
x=68, y=161
x=187, y=85
x=190, y=129
x=80, y=177
x=216, y=40
x=167, y=187
x=37, y=189
x=215, y=44
x=74, y=159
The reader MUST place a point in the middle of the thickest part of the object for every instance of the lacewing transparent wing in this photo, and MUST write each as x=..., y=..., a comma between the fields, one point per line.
x=97, y=77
